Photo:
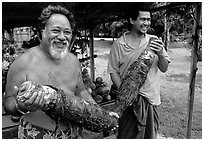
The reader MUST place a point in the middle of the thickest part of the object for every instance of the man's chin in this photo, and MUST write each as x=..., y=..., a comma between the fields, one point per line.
x=58, y=52
x=143, y=31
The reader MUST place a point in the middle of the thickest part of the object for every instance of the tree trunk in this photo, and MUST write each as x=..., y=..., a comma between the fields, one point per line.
x=91, y=45
x=194, y=68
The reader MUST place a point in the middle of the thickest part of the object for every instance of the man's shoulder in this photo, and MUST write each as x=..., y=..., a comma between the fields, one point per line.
x=25, y=58
x=72, y=57
x=27, y=54
x=118, y=42
x=151, y=36
x=121, y=38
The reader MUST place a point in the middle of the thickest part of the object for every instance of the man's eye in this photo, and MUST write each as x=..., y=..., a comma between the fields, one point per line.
x=67, y=32
x=145, y=19
x=55, y=30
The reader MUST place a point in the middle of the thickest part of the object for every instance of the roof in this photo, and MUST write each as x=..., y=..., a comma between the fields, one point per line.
x=18, y=14
x=15, y=14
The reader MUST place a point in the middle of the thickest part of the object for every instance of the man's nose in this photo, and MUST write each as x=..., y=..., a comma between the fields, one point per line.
x=146, y=22
x=62, y=36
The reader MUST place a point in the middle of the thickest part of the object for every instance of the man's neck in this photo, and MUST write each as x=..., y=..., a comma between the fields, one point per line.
x=135, y=35
x=134, y=39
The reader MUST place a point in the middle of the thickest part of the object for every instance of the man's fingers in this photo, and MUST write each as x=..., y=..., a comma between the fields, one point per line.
x=31, y=99
x=38, y=98
x=42, y=101
x=155, y=46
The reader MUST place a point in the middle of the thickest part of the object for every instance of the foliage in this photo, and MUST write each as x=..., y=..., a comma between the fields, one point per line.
x=8, y=57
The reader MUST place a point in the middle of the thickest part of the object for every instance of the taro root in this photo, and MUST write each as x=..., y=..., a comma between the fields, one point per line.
x=66, y=107
x=134, y=79
x=99, y=80
x=87, y=79
x=98, y=98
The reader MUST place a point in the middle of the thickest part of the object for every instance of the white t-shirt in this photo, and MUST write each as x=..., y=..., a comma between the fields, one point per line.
x=122, y=55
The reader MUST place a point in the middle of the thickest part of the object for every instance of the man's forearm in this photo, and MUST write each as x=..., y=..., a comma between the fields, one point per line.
x=86, y=96
x=163, y=63
x=10, y=106
x=116, y=79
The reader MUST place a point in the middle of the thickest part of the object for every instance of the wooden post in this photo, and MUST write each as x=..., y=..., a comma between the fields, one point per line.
x=91, y=45
x=193, y=68
x=165, y=31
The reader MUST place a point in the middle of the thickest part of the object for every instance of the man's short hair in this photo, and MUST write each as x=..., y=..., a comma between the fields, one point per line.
x=55, y=9
x=134, y=9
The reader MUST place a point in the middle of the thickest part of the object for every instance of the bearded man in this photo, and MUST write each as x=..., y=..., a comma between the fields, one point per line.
x=50, y=63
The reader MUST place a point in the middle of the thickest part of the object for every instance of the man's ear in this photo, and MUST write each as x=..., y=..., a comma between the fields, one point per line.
x=131, y=20
x=43, y=33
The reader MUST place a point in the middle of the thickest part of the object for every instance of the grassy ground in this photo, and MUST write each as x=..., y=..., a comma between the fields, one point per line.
x=174, y=90
x=174, y=95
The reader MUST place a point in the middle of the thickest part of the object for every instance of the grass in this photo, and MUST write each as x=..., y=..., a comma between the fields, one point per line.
x=173, y=113
x=174, y=95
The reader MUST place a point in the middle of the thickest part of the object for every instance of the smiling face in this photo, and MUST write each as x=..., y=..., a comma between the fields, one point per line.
x=57, y=36
x=142, y=23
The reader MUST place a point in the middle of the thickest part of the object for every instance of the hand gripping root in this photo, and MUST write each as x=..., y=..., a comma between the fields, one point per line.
x=67, y=107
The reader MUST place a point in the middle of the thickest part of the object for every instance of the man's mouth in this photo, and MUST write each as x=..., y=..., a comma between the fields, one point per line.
x=60, y=45
x=144, y=27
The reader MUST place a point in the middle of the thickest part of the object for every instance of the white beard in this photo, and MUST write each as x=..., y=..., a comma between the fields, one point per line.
x=58, y=54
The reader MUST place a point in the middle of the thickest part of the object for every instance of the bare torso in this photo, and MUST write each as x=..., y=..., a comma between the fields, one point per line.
x=36, y=66
x=42, y=70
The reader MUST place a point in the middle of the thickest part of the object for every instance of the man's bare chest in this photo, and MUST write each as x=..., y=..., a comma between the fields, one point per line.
x=64, y=77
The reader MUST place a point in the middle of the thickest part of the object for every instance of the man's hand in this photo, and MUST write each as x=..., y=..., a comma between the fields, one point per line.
x=33, y=102
x=157, y=46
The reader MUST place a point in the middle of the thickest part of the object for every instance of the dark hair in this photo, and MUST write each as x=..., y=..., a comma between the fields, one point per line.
x=55, y=9
x=133, y=11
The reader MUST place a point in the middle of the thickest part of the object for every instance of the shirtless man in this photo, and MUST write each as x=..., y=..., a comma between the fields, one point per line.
x=50, y=63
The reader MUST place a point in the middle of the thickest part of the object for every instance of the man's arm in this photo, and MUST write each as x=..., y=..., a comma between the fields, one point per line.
x=163, y=63
x=113, y=65
x=84, y=94
x=115, y=79
x=158, y=47
x=16, y=76
x=14, y=79
x=81, y=89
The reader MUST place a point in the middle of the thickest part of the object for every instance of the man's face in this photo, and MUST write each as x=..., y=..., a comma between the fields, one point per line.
x=57, y=36
x=142, y=23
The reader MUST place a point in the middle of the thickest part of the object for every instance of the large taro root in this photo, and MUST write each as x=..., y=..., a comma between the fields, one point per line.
x=66, y=107
x=134, y=79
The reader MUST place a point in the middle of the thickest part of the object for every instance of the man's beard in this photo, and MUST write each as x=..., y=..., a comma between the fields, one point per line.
x=56, y=53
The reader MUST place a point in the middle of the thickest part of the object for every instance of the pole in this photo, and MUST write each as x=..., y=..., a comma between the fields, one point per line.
x=166, y=34
x=193, y=69
x=91, y=45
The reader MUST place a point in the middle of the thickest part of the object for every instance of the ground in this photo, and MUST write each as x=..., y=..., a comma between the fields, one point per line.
x=174, y=90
